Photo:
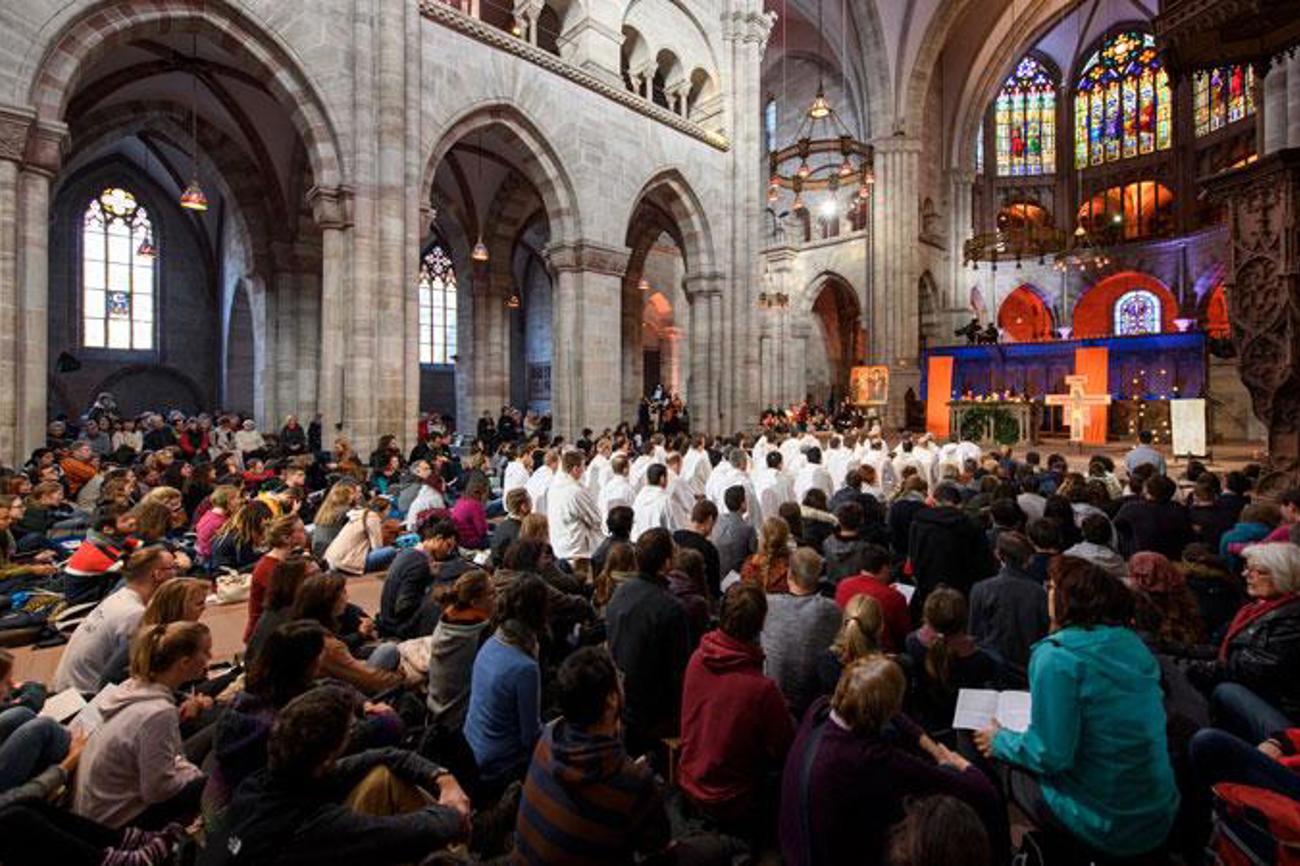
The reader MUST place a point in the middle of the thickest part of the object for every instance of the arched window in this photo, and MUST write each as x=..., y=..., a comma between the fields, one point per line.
x=1123, y=107
x=117, y=288
x=1223, y=96
x=979, y=150
x=1137, y=312
x=769, y=123
x=437, y=307
x=1025, y=116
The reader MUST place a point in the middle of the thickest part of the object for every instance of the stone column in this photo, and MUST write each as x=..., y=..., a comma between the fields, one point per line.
x=1275, y=119
x=632, y=356
x=703, y=292
x=31, y=151
x=893, y=324
x=332, y=209
x=1293, y=100
x=961, y=183
x=781, y=264
x=670, y=358
x=745, y=29
x=798, y=354
x=585, y=374
x=594, y=42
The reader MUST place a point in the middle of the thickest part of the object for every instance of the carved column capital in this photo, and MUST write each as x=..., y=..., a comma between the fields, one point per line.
x=331, y=206
x=586, y=256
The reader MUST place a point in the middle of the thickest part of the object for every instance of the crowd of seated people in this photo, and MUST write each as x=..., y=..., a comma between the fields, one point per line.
x=755, y=646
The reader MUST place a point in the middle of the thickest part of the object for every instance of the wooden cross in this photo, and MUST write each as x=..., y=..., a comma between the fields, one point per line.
x=1077, y=403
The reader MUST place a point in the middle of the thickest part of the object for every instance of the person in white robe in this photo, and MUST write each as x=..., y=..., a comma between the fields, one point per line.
x=577, y=528
x=517, y=473
x=681, y=501
x=773, y=486
x=696, y=466
x=731, y=473
x=650, y=509
x=540, y=481
x=617, y=490
x=812, y=475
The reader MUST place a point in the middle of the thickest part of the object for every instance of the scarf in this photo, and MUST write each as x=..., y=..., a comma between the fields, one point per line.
x=1248, y=614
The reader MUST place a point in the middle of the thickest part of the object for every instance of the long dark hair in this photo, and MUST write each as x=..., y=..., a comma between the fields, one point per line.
x=521, y=616
x=316, y=599
x=286, y=665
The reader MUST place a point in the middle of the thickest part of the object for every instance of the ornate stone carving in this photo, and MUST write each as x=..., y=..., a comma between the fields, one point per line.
x=587, y=256
x=454, y=19
x=331, y=206
x=15, y=124
x=1263, y=280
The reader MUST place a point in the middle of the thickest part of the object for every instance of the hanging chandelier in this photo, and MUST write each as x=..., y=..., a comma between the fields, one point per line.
x=480, y=251
x=643, y=286
x=512, y=302
x=1083, y=253
x=193, y=198
x=825, y=158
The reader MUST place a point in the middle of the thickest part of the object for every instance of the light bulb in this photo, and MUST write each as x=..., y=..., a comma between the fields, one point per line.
x=830, y=208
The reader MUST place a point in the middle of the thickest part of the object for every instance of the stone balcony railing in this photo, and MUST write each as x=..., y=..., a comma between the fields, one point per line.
x=458, y=15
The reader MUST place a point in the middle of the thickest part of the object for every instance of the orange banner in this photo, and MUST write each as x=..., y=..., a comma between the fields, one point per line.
x=938, y=393
x=1095, y=364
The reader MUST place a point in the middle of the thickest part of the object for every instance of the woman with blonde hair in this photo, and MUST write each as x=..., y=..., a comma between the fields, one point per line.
x=134, y=770
x=241, y=539
x=180, y=599
x=333, y=514
x=173, y=501
x=770, y=567
x=226, y=499
x=359, y=546
x=860, y=636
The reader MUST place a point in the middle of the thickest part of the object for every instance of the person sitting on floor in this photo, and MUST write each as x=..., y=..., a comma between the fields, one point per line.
x=111, y=624
x=133, y=770
x=322, y=807
x=584, y=800
x=1093, y=765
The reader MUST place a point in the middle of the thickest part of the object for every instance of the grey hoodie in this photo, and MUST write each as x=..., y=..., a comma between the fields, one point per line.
x=1101, y=556
x=133, y=758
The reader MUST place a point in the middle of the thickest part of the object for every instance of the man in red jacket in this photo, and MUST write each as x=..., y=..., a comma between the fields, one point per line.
x=736, y=729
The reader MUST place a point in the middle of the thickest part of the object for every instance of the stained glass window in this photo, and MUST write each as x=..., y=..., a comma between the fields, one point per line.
x=1137, y=312
x=1123, y=106
x=117, y=288
x=1025, y=121
x=437, y=307
x=1222, y=96
x=769, y=123
x=979, y=150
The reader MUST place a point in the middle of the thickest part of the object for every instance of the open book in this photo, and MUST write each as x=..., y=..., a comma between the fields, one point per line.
x=64, y=706
x=977, y=709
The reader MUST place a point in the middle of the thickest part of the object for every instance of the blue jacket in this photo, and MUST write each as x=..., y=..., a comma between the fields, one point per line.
x=504, y=716
x=1097, y=739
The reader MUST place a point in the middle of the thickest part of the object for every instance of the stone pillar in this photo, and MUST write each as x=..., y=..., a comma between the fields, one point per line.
x=332, y=209
x=670, y=358
x=961, y=183
x=31, y=151
x=594, y=42
x=894, y=316
x=632, y=357
x=798, y=354
x=745, y=29
x=1263, y=279
x=1275, y=120
x=781, y=284
x=1293, y=100
x=527, y=11
x=585, y=376
x=703, y=291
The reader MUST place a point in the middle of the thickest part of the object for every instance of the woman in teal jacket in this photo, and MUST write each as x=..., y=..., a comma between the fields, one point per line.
x=1094, y=762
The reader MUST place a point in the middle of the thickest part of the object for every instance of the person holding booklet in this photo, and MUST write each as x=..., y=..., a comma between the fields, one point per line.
x=1093, y=765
